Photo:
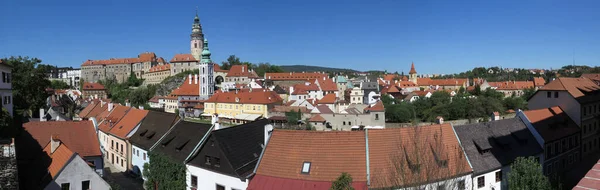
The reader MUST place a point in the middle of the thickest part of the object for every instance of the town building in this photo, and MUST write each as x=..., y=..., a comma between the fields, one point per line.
x=242, y=106
x=341, y=84
x=67, y=170
x=187, y=96
x=69, y=75
x=515, y=88
x=558, y=135
x=592, y=76
x=94, y=90
x=183, y=62
x=427, y=157
x=579, y=98
x=157, y=102
x=119, y=132
x=370, y=91
x=118, y=68
x=437, y=84
x=6, y=87
x=492, y=146
x=150, y=130
x=355, y=115
x=291, y=78
x=241, y=74
x=227, y=157
x=157, y=74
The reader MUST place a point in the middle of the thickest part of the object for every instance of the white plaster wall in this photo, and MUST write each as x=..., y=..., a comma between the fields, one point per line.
x=138, y=159
x=564, y=100
x=76, y=172
x=208, y=179
x=450, y=184
x=490, y=180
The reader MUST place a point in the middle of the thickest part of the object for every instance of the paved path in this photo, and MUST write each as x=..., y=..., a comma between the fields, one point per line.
x=122, y=179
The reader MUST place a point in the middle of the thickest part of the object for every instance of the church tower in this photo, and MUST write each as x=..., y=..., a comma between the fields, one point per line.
x=197, y=38
x=412, y=75
x=206, y=69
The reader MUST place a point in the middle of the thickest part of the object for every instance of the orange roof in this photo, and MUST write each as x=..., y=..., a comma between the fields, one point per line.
x=158, y=68
x=155, y=99
x=378, y=107
x=97, y=110
x=405, y=84
x=539, y=81
x=512, y=85
x=421, y=93
x=552, y=123
x=317, y=118
x=412, y=69
x=93, y=86
x=83, y=113
x=390, y=77
x=441, y=82
x=183, y=58
x=241, y=71
x=287, y=150
x=577, y=87
x=58, y=159
x=391, y=151
x=143, y=57
x=393, y=89
x=246, y=97
x=326, y=84
x=161, y=60
x=187, y=89
x=80, y=136
x=593, y=76
x=109, y=121
x=328, y=99
x=294, y=76
x=129, y=121
x=217, y=68
x=301, y=89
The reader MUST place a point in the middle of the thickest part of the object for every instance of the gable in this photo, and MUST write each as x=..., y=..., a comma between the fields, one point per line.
x=212, y=148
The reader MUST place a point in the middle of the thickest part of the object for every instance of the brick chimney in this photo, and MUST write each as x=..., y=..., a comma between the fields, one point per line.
x=190, y=79
x=54, y=142
x=439, y=120
x=111, y=106
x=195, y=78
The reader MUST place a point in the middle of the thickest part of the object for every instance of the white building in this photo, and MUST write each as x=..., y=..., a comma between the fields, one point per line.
x=6, y=87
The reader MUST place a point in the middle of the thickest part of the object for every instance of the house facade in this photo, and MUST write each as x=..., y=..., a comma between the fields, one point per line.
x=94, y=91
x=6, y=87
x=157, y=74
x=242, y=106
x=150, y=130
x=118, y=68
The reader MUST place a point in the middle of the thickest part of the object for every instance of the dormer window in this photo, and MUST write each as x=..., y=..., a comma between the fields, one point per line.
x=306, y=168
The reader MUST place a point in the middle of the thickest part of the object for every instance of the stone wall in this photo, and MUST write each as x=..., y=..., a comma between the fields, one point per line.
x=453, y=122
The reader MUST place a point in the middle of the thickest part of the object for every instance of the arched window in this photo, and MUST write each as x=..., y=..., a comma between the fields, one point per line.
x=203, y=80
x=195, y=45
x=203, y=70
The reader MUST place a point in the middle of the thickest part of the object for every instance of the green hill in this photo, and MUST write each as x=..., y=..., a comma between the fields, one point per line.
x=308, y=68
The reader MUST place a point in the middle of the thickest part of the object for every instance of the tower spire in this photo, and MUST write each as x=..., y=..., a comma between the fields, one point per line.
x=206, y=53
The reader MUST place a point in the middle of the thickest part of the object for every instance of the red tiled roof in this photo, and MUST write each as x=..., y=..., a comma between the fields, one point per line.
x=539, y=81
x=129, y=121
x=183, y=58
x=263, y=182
x=421, y=93
x=391, y=151
x=441, y=82
x=412, y=69
x=329, y=152
x=591, y=180
x=328, y=99
x=326, y=84
x=393, y=89
x=317, y=118
x=324, y=109
x=155, y=99
x=552, y=123
x=80, y=136
x=161, y=60
x=158, y=68
x=378, y=107
x=88, y=109
x=575, y=86
x=143, y=57
x=294, y=76
x=58, y=159
x=187, y=89
x=246, y=97
x=114, y=116
x=97, y=111
x=241, y=71
x=304, y=88
x=93, y=86
x=512, y=85
x=217, y=68
x=405, y=84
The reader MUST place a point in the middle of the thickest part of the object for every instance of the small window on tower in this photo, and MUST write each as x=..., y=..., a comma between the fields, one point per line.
x=195, y=45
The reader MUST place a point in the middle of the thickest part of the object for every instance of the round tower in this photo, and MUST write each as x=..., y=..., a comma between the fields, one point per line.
x=412, y=75
x=206, y=73
x=197, y=38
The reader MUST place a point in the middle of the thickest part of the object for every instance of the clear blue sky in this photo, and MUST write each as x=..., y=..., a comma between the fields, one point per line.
x=439, y=36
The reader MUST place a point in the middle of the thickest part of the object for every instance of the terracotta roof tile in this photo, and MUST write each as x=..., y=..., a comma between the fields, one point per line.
x=128, y=123
x=59, y=158
x=391, y=151
x=326, y=84
x=88, y=109
x=183, y=58
x=405, y=84
x=577, y=87
x=155, y=99
x=512, y=85
x=330, y=153
x=591, y=180
x=378, y=107
x=143, y=57
x=114, y=116
x=241, y=71
x=293, y=76
x=317, y=118
x=93, y=86
x=324, y=109
x=80, y=136
x=187, y=89
x=217, y=68
x=328, y=99
x=412, y=69
x=246, y=97
x=539, y=81
x=441, y=82
x=158, y=68
x=97, y=111
x=552, y=123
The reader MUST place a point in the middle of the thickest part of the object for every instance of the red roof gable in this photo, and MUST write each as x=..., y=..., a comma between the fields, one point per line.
x=143, y=57
x=80, y=136
x=378, y=107
x=328, y=99
x=246, y=97
x=241, y=71
x=159, y=68
x=294, y=76
x=187, y=89
x=183, y=58
x=93, y=86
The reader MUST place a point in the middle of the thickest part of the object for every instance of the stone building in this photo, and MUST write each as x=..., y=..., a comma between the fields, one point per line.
x=157, y=74
x=6, y=87
x=94, y=90
x=119, y=68
x=241, y=74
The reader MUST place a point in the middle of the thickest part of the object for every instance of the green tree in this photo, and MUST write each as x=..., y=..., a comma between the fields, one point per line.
x=262, y=68
x=57, y=84
x=526, y=173
x=344, y=182
x=8, y=129
x=133, y=80
x=439, y=98
x=293, y=117
x=139, y=96
x=514, y=103
x=163, y=173
x=29, y=83
x=528, y=92
x=400, y=113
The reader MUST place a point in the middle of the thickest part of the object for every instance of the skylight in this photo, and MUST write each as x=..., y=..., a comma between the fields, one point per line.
x=306, y=167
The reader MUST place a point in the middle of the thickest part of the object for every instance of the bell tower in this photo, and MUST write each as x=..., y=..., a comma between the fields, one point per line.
x=197, y=38
x=412, y=75
x=206, y=69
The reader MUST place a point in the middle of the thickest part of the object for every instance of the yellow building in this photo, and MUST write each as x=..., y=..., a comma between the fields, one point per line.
x=242, y=106
x=157, y=74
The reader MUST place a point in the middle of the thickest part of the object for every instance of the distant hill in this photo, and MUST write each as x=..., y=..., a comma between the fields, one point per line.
x=308, y=68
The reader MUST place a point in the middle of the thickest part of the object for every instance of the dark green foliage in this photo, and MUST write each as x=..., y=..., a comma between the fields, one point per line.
x=402, y=112
x=526, y=173
x=8, y=129
x=293, y=117
x=260, y=68
x=528, y=93
x=344, y=182
x=515, y=103
x=28, y=83
x=163, y=173
x=133, y=80
x=57, y=84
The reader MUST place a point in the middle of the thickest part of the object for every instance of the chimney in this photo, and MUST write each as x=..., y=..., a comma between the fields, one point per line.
x=439, y=120
x=195, y=78
x=215, y=121
x=495, y=116
x=268, y=131
x=242, y=68
x=111, y=106
x=141, y=107
x=190, y=79
x=324, y=78
x=291, y=89
x=54, y=142
x=127, y=103
x=101, y=102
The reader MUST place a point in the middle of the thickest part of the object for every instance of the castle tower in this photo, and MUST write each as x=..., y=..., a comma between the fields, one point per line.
x=412, y=75
x=206, y=73
x=197, y=38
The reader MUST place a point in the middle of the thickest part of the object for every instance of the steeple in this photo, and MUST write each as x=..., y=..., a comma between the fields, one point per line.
x=197, y=37
x=206, y=53
x=412, y=69
x=412, y=74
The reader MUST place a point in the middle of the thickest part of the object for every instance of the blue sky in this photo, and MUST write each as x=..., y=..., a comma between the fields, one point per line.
x=439, y=36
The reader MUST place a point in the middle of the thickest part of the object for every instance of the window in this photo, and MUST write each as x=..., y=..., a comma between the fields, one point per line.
x=499, y=176
x=549, y=94
x=3, y=77
x=376, y=116
x=217, y=162
x=85, y=185
x=349, y=123
x=306, y=167
x=121, y=148
x=65, y=186
x=570, y=158
x=461, y=185
x=207, y=160
x=144, y=156
x=480, y=182
x=344, y=123
x=194, y=181
x=122, y=161
x=555, y=94
x=441, y=187
x=220, y=187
